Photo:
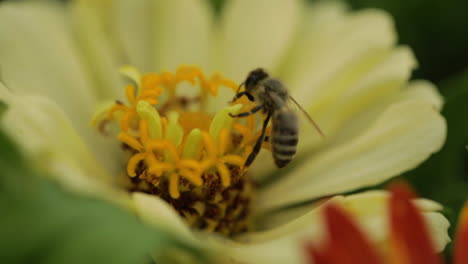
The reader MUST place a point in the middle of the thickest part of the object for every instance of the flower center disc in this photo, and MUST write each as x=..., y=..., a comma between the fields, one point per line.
x=191, y=158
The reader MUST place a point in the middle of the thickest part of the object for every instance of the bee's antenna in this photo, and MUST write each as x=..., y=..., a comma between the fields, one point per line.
x=236, y=96
x=238, y=88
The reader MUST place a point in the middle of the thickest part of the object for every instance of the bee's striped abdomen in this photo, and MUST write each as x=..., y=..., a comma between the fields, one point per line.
x=284, y=136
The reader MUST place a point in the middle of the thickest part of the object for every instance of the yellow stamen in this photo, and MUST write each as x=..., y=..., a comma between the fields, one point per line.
x=234, y=160
x=170, y=83
x=190, y=164
x=125, y=121
x=143, y=130
x=150, y=81
x=162, y=166
x=186, y=73
x=130, y=93
x=150, y=93
x=229, y=83
x=209, y=145
x=154, y=166
x=133, y=163
x=151, y=160
x=195, y=120
x=174, y=185
x=130, y=141
x=150, y=101
x=153, y=145
x=206, y=164
x=192, y=177
x=243, y=130
x=224, y=173
x=115, y=108
x=164, y=124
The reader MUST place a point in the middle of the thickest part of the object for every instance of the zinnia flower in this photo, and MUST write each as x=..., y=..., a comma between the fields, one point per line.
x=410, y=241
x=179, y=154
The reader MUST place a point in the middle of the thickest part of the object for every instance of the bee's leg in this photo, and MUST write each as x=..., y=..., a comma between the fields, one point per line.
x=258, y=144
x=251, y=112
x=239, y=95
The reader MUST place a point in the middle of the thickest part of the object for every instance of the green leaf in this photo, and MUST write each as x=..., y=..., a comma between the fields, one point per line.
x=3, y=108
x=217, y=5
x=42, y=223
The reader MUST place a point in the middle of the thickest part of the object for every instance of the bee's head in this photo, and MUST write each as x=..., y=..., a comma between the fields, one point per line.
x=254, y=78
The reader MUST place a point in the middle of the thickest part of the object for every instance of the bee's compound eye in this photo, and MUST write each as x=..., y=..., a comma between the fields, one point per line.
x=254, y=77
x=250, y=82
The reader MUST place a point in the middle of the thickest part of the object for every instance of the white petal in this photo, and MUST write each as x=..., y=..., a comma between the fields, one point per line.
x=47, y=138
x=152, y=210
x=424, y=90
x=284, y=244
x=256, y=34
x=96, y=49
x=182, y=34
x=37, y=57
x=336, y=49
x=438, y=224
x=416, y=90
x=133, y=29
x=403, y=136
x=382, y=82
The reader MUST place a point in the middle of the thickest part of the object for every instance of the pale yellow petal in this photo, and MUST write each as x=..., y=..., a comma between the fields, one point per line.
x=423, y=90
x=95, y=47
x=255, y=34
x=182, y=32
x=415, y=90
x=319, y=24
x=154, y=211
x=49, y=141
x=37, y=56
x=382, y=82
x=157, y=212
x=335, y=49
x=402, y=137
x=438, y=224
x=133, y=30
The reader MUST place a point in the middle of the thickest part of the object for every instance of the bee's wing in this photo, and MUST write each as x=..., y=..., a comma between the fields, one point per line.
x=307, y=116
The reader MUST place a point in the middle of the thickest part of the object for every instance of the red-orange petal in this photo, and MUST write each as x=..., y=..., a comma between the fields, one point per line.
x=346, y=242
x=410, y=239
x=461, y=240
x=315, y=256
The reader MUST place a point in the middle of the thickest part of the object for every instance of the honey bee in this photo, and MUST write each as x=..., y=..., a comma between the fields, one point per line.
x=272, y=97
